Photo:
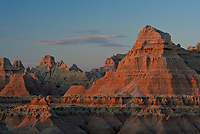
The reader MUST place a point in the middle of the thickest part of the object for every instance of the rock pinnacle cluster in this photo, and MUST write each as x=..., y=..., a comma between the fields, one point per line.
x=154, y=88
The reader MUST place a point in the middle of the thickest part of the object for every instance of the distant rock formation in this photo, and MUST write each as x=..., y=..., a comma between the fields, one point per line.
x=110, y=64
x=59, y=76
x=5, y=66
x=197, y=47
x=18, y=65
x=47, y=61
x=75, y=68
x=48, y=78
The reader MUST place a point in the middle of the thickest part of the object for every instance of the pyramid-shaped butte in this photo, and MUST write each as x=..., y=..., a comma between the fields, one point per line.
x=151, y=67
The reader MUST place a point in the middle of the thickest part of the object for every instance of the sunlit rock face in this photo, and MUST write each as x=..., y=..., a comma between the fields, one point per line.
x=22, y=85
x=7, y=70
x=152, y=66
x=75, y=90
x=154, y=88
x=197, y=47
x=16, y=87
x=47, y=62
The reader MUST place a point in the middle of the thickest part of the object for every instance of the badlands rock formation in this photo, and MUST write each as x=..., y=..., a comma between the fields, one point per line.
x=59, y=76
x=197, y=47
x=75, y=90
x=7, y=71
x=110, y=64
x=48, y=78
x=18, y=65
x=75, y=68
x=154, y=88
x=152, y=66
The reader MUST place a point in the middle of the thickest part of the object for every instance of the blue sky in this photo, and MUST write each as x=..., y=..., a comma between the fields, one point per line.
x=86, y=32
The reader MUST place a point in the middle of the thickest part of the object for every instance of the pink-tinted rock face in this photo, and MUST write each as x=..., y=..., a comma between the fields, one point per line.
x=197, y=47
x=75, y=90
x=190, y=48
x=47, y=61
x=6, y=70
x=16, y=87
x=152, y=66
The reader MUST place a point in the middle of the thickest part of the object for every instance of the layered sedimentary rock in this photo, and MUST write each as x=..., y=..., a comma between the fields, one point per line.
x=152, y=66
x=167, y=114
x=154, y=88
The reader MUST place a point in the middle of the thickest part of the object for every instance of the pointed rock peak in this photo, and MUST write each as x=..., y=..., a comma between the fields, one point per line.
x=39, y=100
x=48, y=60
x=148, y=28
x=61, y=64
x=197, y=47
x=27, y=70
x=75, y=68
x=152, y=35
x=5, y=64
x=18, y=65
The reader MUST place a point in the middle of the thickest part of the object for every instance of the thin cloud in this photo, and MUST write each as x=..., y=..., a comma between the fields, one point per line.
x=92, y=31
x=102, y=40
x=88, y=32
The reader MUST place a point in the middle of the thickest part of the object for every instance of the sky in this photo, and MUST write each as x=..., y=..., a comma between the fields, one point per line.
x=86, y=32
